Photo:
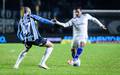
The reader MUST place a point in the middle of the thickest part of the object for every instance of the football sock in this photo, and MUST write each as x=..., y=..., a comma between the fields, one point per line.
x=73, y=53
x=79, y=51
x=46, y=55
x=20, y=57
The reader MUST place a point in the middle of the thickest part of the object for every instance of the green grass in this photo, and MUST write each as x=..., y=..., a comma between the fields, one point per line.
x=97, y=59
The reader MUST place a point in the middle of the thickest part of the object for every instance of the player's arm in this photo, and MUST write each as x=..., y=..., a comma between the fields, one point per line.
x=96, y=21
x=43, y=20
x=67, y=24
x=19, y=33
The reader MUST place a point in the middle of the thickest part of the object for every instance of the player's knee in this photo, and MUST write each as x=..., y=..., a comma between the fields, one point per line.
x=73, y=50
x=26, y=50
x=82, y=44
x=49, y=44
x=28, y=46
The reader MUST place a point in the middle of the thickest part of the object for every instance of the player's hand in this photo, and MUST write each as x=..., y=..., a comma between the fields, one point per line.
x=54, y=20
x=103, y=27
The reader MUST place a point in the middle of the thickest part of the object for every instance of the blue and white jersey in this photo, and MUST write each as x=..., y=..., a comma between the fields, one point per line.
x=27, y=30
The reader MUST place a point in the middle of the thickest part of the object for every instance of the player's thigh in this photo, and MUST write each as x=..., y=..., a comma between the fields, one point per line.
x=28, y=45
x=78, y=43
x=43, y=42
x=74, y=43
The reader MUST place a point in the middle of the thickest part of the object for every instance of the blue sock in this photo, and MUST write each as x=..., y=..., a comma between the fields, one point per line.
x=79, y=51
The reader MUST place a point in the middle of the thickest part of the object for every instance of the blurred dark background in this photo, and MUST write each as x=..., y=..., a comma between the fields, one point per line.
x=11, y=10
x=51, y=4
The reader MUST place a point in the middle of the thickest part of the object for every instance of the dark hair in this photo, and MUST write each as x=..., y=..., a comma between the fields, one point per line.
x=77, y=7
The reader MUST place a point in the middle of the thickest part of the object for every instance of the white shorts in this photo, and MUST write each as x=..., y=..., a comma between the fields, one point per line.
x=77, y=40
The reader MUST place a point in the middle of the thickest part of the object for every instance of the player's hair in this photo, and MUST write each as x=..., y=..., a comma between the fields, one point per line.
x=27, y=10
x=77, y=7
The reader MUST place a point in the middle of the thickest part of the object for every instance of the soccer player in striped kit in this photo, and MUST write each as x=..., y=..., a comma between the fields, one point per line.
x=29, y=35
x=80, y=33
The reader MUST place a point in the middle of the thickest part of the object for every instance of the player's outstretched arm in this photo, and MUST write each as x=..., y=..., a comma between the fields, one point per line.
x=19, y=30
x=103, y=26
x=67, y=24
x=96, y=21
x=43, y=20
x=99, y=23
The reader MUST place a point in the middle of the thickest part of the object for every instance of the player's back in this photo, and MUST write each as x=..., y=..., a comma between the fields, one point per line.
x=28, y=30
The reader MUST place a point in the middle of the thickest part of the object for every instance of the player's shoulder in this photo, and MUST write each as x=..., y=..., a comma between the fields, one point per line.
x=72, y=19
x=86, y=14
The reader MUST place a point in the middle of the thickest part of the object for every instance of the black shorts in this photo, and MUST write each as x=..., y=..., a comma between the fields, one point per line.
x=38, y=42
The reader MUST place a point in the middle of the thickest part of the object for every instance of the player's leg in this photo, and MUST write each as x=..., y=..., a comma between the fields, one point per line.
x=22, y=55
x=78, y=45
x=73, y=51
x=74, y=45
x=49, y=48
x=79, y=49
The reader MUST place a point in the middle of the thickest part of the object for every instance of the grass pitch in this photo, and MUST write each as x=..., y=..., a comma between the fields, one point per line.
x=96, y=59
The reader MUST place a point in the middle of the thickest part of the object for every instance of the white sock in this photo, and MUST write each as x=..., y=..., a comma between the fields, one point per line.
x=46, y=55
x=20, y=58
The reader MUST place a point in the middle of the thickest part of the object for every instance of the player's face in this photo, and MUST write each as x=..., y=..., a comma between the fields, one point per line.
x=78, y=12
x=27, y=10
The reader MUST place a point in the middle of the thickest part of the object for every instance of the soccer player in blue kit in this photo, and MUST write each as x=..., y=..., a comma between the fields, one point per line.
x=29, y=35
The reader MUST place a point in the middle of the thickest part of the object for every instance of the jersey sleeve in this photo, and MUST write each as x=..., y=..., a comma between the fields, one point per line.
x=43, y=20
x=94, y=19
x=19, y=35
x=18, y=31
x=67, y=24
